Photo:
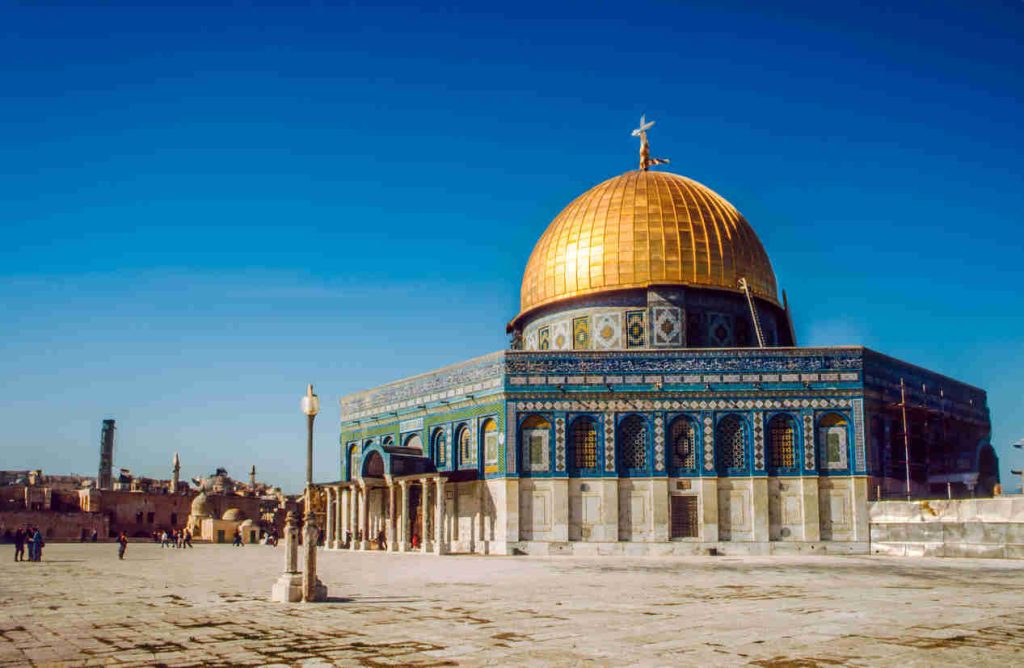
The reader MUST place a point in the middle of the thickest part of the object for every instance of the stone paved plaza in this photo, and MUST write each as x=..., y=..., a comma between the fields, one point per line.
x=209, y=606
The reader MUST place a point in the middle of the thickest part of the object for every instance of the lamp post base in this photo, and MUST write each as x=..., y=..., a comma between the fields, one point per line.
x=288, y=588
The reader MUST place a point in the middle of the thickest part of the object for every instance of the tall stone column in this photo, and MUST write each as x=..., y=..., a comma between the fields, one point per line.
x=364, y=516
x=353, y=514
x=424, y=511
x=288, y=588
x=404, y=535
x=329, y=529
x=339, y=523
x=312, y=588
x=439, y=522
x=392, y=512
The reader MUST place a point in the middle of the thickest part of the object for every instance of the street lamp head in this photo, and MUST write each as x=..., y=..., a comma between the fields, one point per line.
x=310, y=403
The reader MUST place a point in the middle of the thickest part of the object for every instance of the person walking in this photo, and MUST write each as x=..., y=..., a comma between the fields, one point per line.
x=95, y=535
x=37, y=545
x=19, y=544
x=382, y=541
x=164, y=539
x=188, y=539
x=122, y=542
x=238, y=538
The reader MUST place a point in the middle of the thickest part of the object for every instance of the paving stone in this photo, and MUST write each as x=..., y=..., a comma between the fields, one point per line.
x=210, y=606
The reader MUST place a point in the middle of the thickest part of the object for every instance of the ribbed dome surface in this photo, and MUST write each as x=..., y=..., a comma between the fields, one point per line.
x=645, y=228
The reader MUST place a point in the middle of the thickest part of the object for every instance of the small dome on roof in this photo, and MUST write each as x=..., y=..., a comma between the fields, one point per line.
x=233, y=515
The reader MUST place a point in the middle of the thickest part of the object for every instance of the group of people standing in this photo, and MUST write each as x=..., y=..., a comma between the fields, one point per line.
x=32, y=538
x=175, y=538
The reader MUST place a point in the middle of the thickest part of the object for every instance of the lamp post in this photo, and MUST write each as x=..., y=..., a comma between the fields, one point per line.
x=312, y=588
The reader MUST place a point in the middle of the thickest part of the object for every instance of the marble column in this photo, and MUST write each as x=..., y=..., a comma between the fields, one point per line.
x=403, y=536
x=439, y=537
x=424, y=511
x=329, y=529
x=364, y=524
x=288, y=588
x=392, y=511
x=353, y=514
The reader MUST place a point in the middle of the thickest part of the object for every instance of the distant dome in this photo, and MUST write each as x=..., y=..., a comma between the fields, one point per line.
x=233, y=515
x=201, y=506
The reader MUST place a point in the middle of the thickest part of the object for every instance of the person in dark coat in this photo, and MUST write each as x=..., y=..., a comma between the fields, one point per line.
x=37, y=545
x=122, y=545
x=19, y=545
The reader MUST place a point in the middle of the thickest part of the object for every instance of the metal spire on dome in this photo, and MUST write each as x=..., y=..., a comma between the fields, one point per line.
x=646, y=161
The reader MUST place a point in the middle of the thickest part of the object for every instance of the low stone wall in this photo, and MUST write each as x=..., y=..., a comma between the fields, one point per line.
x=56, y=526
x=992, y=528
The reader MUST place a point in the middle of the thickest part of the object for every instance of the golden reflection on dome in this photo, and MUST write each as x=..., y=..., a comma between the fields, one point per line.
x=645, y=228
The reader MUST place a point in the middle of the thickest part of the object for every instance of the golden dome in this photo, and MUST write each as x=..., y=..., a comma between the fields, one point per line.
x=645, y=228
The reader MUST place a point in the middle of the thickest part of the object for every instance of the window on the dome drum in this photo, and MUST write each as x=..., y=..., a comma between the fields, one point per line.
x=583, y=441
x=729, y=443
x=632, y=442
x=781, y=443
x=683, y=437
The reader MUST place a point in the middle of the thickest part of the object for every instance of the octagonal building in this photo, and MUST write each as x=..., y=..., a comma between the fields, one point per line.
x=653, y=400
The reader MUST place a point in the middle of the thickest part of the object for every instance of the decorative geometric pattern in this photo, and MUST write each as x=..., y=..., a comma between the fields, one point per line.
x=559, y=444
x=860, y=458
x=637, y=404
x=633, y=443
x=729, y=443
x=808, y=441
x=607, y=331
x=583, y=441
x=683, y=440
x=709, y=444
x=581, y=333
x=781, y=443
x=609, y=442
x=758, y=419
x=667, y=325
x=636, y=329
x=659, y=443
x=544, y=338
x=719, y=329
x=561, y=338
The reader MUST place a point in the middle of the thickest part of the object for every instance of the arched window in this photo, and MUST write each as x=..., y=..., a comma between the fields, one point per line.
x=489, y=432
x=440, y=446
x=730, y=443
x=631, y=441
x=682, y=438
x=535, y=436
x=782, y=444
x=413, y=441
x=832, y=430
x=387, y=442
x=355, y=461
x=467, y=453
x=583, y=442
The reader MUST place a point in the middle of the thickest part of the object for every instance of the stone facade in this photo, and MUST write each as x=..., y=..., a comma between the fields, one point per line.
x=753, y=450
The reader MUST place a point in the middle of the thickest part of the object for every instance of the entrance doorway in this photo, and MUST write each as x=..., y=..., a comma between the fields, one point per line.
x=684, y=517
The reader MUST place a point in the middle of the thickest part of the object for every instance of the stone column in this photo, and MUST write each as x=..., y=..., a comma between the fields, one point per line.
x=392, y=512
x=312, y=588
x=288, y=588
x=424, y=511
x=364, y=516
x=329, y=529
x=353, y=514
x=403, y=536
x=439, y=542
x=339, y=524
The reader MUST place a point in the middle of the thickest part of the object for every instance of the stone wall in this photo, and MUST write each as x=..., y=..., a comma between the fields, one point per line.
x=56, y=526
x=991, y=528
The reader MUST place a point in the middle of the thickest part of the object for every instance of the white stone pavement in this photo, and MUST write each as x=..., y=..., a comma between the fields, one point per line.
x=210, y=606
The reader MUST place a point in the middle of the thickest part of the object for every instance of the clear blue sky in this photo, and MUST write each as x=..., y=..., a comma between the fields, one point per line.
x=205, y=209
